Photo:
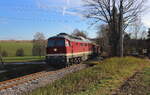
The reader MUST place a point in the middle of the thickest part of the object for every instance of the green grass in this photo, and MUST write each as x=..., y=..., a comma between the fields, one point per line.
x=23, y=59
x=102, y=79
x=11, y=47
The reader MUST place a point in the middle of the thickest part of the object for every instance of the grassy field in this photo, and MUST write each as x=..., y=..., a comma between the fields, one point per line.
x=11, y=47
x=23, y=59
x=102, y=79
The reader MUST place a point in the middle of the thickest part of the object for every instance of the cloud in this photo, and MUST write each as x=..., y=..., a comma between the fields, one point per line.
x=146, y=20
x=65, y=7
x=68, y=2
x=146, y=15
x=73, y=13
x=74, y=8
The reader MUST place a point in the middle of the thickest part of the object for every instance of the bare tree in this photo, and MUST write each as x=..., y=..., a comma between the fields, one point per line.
x=118, y=14
x=77, y=32
x=148, y=36
x=39, y=44
x=1, y=58
x=127, y=46
x=102, y=38
x=137, y=28
x=143, y=34
x=148, y=42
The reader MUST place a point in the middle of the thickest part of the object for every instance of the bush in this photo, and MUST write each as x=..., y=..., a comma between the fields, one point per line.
x=20, y=52
x=4, y=53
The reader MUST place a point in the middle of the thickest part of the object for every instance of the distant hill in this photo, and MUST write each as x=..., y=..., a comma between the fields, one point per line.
x=15, y=40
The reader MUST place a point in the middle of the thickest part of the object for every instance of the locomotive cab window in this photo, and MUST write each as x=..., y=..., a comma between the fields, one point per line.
x=56, y=43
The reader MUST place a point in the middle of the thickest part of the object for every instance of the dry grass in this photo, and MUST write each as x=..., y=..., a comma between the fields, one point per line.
x=102, y=79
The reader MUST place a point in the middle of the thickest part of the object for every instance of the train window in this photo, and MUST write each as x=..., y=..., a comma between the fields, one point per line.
x=60, y=43
x=53, y=43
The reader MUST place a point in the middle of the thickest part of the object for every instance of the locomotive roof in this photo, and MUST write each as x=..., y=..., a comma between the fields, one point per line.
x=71, y=38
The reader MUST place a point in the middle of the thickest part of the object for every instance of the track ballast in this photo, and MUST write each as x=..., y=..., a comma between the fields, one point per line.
x=27, y=83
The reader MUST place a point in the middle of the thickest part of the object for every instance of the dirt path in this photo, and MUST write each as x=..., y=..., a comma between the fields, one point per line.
x=138, y=84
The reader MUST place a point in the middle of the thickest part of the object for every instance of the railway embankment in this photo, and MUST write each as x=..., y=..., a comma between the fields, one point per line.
x=101, y=79
x=30, y=82
x=10, y=70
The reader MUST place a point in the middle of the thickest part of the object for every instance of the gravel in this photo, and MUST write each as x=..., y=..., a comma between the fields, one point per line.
x=42, y=81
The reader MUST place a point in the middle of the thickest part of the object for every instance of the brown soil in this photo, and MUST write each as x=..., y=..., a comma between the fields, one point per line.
x=138, y=84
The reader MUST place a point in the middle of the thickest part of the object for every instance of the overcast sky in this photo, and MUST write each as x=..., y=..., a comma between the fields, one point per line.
x=21, y=19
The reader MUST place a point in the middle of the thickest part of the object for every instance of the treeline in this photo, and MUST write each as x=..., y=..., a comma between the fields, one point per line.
x=134, y=42
x=138, y=42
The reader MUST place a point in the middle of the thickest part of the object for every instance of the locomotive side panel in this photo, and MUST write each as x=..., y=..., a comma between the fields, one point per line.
x=78, y=51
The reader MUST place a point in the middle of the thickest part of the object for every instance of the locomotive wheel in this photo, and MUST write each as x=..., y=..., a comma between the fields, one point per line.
x=78, y=60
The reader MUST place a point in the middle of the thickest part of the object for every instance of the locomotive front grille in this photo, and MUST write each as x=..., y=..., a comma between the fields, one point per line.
x=56, y=59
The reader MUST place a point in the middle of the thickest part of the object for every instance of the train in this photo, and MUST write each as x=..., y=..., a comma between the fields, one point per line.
x=64, y=50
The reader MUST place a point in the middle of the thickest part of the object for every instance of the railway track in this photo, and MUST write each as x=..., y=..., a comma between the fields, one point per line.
x=42, y=78
x=14, y=82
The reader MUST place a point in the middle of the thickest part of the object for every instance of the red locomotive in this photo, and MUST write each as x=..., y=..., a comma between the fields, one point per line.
x=64, y=49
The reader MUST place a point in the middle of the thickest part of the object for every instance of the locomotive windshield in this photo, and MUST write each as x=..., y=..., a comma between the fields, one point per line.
x=56, y=43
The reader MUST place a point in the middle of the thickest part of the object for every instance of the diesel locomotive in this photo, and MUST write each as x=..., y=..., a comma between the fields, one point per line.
x=64, y=50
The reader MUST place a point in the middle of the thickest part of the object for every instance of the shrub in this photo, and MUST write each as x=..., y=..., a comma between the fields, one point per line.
x=4, y=53
x=20, y=52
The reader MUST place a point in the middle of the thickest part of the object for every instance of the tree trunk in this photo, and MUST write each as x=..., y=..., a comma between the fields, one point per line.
x=113, y=40
x=1, y=59
x=121, y=31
